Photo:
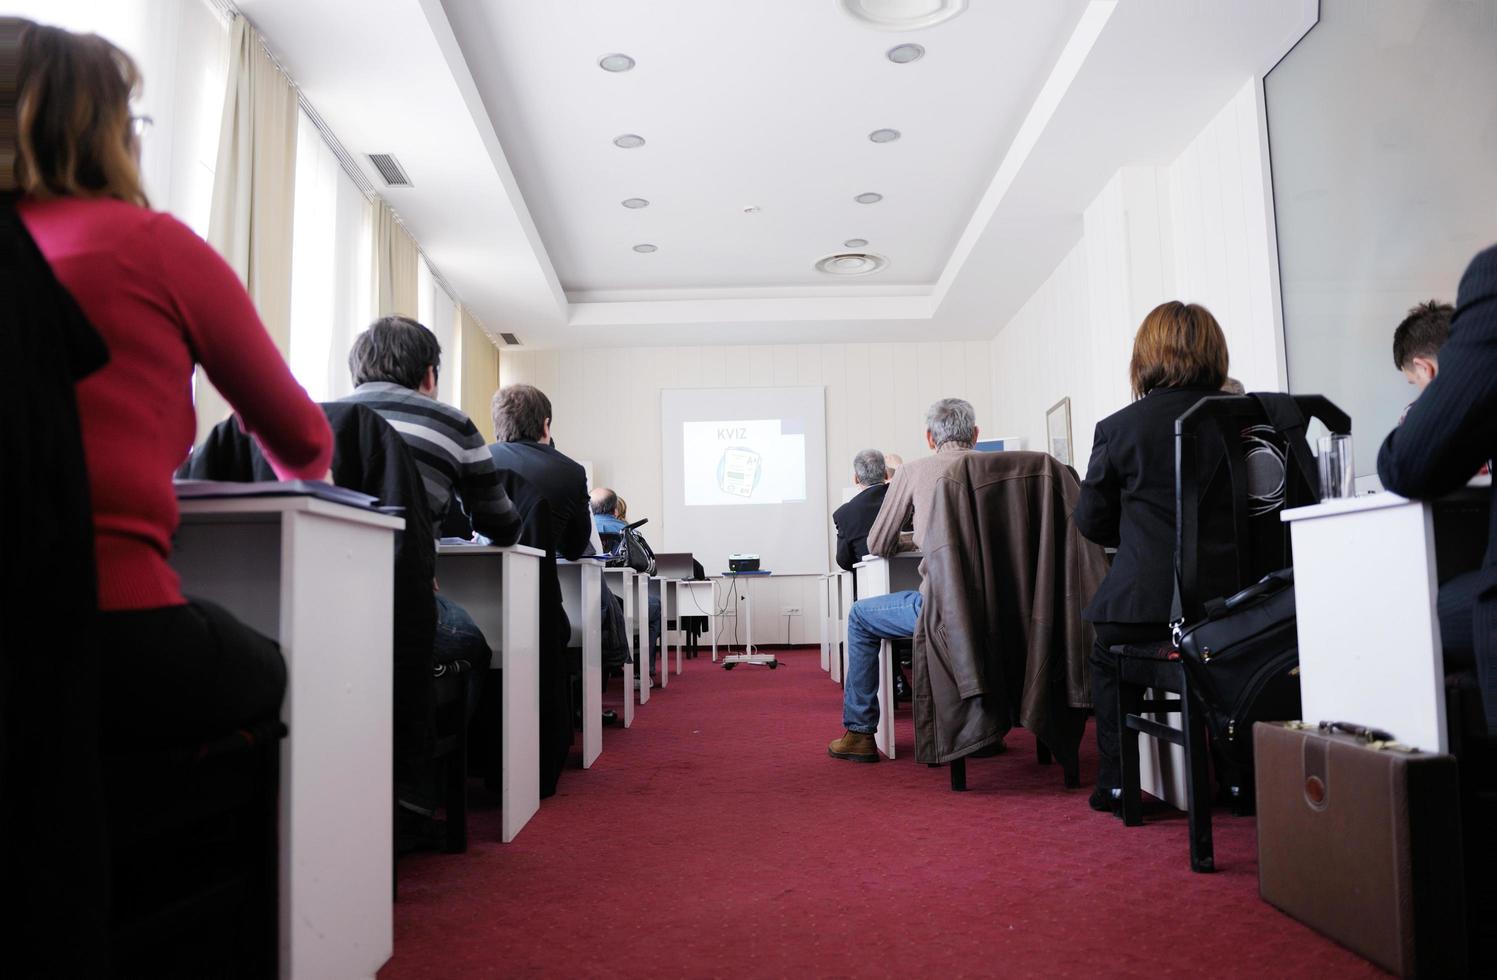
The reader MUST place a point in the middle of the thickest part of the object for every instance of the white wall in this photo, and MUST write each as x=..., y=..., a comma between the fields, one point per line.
x=1199, y=230
x=607, y=408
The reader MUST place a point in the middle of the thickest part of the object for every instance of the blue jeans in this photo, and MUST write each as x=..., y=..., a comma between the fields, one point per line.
x=459, y=638
x=869, y=621
x=654, y=619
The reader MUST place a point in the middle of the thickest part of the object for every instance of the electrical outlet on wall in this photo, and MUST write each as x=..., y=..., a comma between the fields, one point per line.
x=790, y=611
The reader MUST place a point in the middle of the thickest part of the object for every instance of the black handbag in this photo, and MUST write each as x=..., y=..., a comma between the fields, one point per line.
x=1243, y=661
x=627, y=549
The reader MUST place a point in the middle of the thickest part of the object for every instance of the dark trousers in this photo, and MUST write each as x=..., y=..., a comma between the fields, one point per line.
x=459, y=638
x=1105, y=690
x=180, y=673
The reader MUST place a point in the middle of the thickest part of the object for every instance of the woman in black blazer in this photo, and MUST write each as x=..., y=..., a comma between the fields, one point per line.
x=1128, y=501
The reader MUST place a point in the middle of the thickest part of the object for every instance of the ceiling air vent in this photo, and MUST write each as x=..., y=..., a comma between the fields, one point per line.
x=390, y=169
x=510, y=339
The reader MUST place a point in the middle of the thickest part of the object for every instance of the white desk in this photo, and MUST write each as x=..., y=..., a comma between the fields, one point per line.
x=882, y=576
x=500, y=589
x=628, y=593
x=670, y=591
x=697, y=597
x=582, y=598
x=1369, y=636
x=317, y=577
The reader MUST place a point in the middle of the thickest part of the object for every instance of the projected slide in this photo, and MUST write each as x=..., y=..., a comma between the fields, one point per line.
x=744, y=461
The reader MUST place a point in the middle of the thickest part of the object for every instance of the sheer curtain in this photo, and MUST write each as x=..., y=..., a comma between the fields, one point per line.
x=332, y=291
x=480, y=371
x=438, y=312
x=396, y=265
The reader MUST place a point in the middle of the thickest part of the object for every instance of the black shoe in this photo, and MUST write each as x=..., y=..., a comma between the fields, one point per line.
x=610, y=718
x=415, y=832
x=1105, y=799
x=901, y=687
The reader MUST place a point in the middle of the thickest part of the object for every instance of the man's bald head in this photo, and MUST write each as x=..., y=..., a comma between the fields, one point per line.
x=603, y=501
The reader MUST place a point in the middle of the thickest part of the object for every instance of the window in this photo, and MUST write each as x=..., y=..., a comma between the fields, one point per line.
x=332, y=291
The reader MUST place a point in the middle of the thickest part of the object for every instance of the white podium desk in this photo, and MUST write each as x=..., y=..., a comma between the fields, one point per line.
x=1366, y=580
x=317, y=577
x=500, y=589
x=695, y=597
x=582, y=598
x=882, y=576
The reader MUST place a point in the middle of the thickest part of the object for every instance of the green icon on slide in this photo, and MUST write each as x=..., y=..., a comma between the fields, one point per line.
x=738, y=471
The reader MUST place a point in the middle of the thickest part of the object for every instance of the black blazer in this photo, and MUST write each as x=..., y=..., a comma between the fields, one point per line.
x=1128, y=502
x=853, y=520
x=561, y=481
x=1451, y=430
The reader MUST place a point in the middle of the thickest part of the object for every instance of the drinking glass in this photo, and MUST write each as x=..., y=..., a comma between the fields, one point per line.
x=1336, y=474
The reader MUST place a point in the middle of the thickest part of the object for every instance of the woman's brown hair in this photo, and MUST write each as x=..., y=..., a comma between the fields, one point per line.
x=1178, y=344
x=73, y=131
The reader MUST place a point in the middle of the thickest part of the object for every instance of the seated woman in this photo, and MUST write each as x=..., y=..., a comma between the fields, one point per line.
x=1128, y=502
x=163, y=301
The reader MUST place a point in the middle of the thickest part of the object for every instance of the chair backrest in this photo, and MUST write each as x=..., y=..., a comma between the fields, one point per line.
x=1240, y=461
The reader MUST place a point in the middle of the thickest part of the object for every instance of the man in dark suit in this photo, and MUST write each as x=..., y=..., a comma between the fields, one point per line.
x=522, y=423
x=854, y=518
x=1449, y=433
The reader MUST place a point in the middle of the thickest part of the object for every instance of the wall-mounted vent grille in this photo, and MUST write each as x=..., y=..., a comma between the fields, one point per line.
x=510, y=339
x=390, y=169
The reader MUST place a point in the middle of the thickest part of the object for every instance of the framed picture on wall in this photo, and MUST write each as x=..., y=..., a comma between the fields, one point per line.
x=1058, y=430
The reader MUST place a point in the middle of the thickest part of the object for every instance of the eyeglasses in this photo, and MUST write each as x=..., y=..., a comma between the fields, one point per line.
x=140, y=125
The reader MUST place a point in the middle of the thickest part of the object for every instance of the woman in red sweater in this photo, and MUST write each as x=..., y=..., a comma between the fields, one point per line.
x=163, y=301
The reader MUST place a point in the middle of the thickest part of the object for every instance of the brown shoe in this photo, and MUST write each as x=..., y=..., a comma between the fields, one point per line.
x=853, y=746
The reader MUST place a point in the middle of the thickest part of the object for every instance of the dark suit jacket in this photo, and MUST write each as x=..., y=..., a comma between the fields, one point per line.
x=1451, y=430
x=1128, y=502
x=853, y=519
x=558, y=479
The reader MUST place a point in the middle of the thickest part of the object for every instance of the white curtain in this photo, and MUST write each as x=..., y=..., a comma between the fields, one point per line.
x=438, y=312
x=332, y=296
x=395, y=266
x=254, y=191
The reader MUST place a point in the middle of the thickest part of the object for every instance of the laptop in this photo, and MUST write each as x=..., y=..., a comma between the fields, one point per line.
x=673, y=564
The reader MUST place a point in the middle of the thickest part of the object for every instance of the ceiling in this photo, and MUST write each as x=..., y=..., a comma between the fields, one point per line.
x=1014, y=118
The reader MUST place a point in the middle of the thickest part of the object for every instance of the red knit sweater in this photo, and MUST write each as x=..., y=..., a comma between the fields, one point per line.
x=163, y=300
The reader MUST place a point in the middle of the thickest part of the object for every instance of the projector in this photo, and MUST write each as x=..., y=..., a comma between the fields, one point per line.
x=743, y=563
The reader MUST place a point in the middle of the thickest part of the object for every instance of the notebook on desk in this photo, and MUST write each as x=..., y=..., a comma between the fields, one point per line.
x=220, y=489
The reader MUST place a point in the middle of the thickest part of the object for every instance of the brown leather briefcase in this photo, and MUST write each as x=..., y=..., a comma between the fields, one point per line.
x=1360, y=839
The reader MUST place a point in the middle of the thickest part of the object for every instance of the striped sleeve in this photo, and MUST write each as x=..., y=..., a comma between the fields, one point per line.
x=494, y=515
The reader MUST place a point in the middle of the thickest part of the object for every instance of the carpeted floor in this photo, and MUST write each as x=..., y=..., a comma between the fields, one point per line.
x=716, y=838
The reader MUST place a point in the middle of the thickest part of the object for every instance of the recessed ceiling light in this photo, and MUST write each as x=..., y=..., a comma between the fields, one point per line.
x=903, y=54
x=615, y=62
x=869, y=197
x=751, y=209
x=885, y=135
x=851, y=264
x=902, y=15
x=628, y=141
x=644, y=248
x=634, y=203
x=855, y=243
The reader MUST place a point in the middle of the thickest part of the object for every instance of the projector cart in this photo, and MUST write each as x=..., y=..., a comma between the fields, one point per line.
x=748, y=656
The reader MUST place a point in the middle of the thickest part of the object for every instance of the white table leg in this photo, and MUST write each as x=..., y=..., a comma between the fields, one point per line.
x=592, y=663
x=519, y=657
x=884, y=736
x=680, y=633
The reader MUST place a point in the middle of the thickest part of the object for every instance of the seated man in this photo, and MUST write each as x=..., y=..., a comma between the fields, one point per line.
x=854, y=518
x=609, y=518
x=394, y=366
x=951, y=430
x=1449, y=431
x=522, y=424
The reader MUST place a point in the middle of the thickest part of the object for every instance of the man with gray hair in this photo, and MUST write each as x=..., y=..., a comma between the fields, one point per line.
x=950, y=430
x=854, y=518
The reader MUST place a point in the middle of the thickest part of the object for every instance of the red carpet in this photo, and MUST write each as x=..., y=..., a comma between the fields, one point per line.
x=716, y=838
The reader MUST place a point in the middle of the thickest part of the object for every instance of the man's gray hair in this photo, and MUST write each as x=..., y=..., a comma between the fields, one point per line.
x=868, y=467
x=952, y=420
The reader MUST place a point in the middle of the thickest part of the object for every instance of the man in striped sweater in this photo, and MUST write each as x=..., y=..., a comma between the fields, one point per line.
x=394, y=366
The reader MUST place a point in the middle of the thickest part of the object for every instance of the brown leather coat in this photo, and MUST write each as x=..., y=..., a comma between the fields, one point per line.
x=1000, y=639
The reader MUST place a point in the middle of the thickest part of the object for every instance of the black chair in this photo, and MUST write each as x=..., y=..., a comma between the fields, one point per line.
x=1234, y=474
x=192, y=835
